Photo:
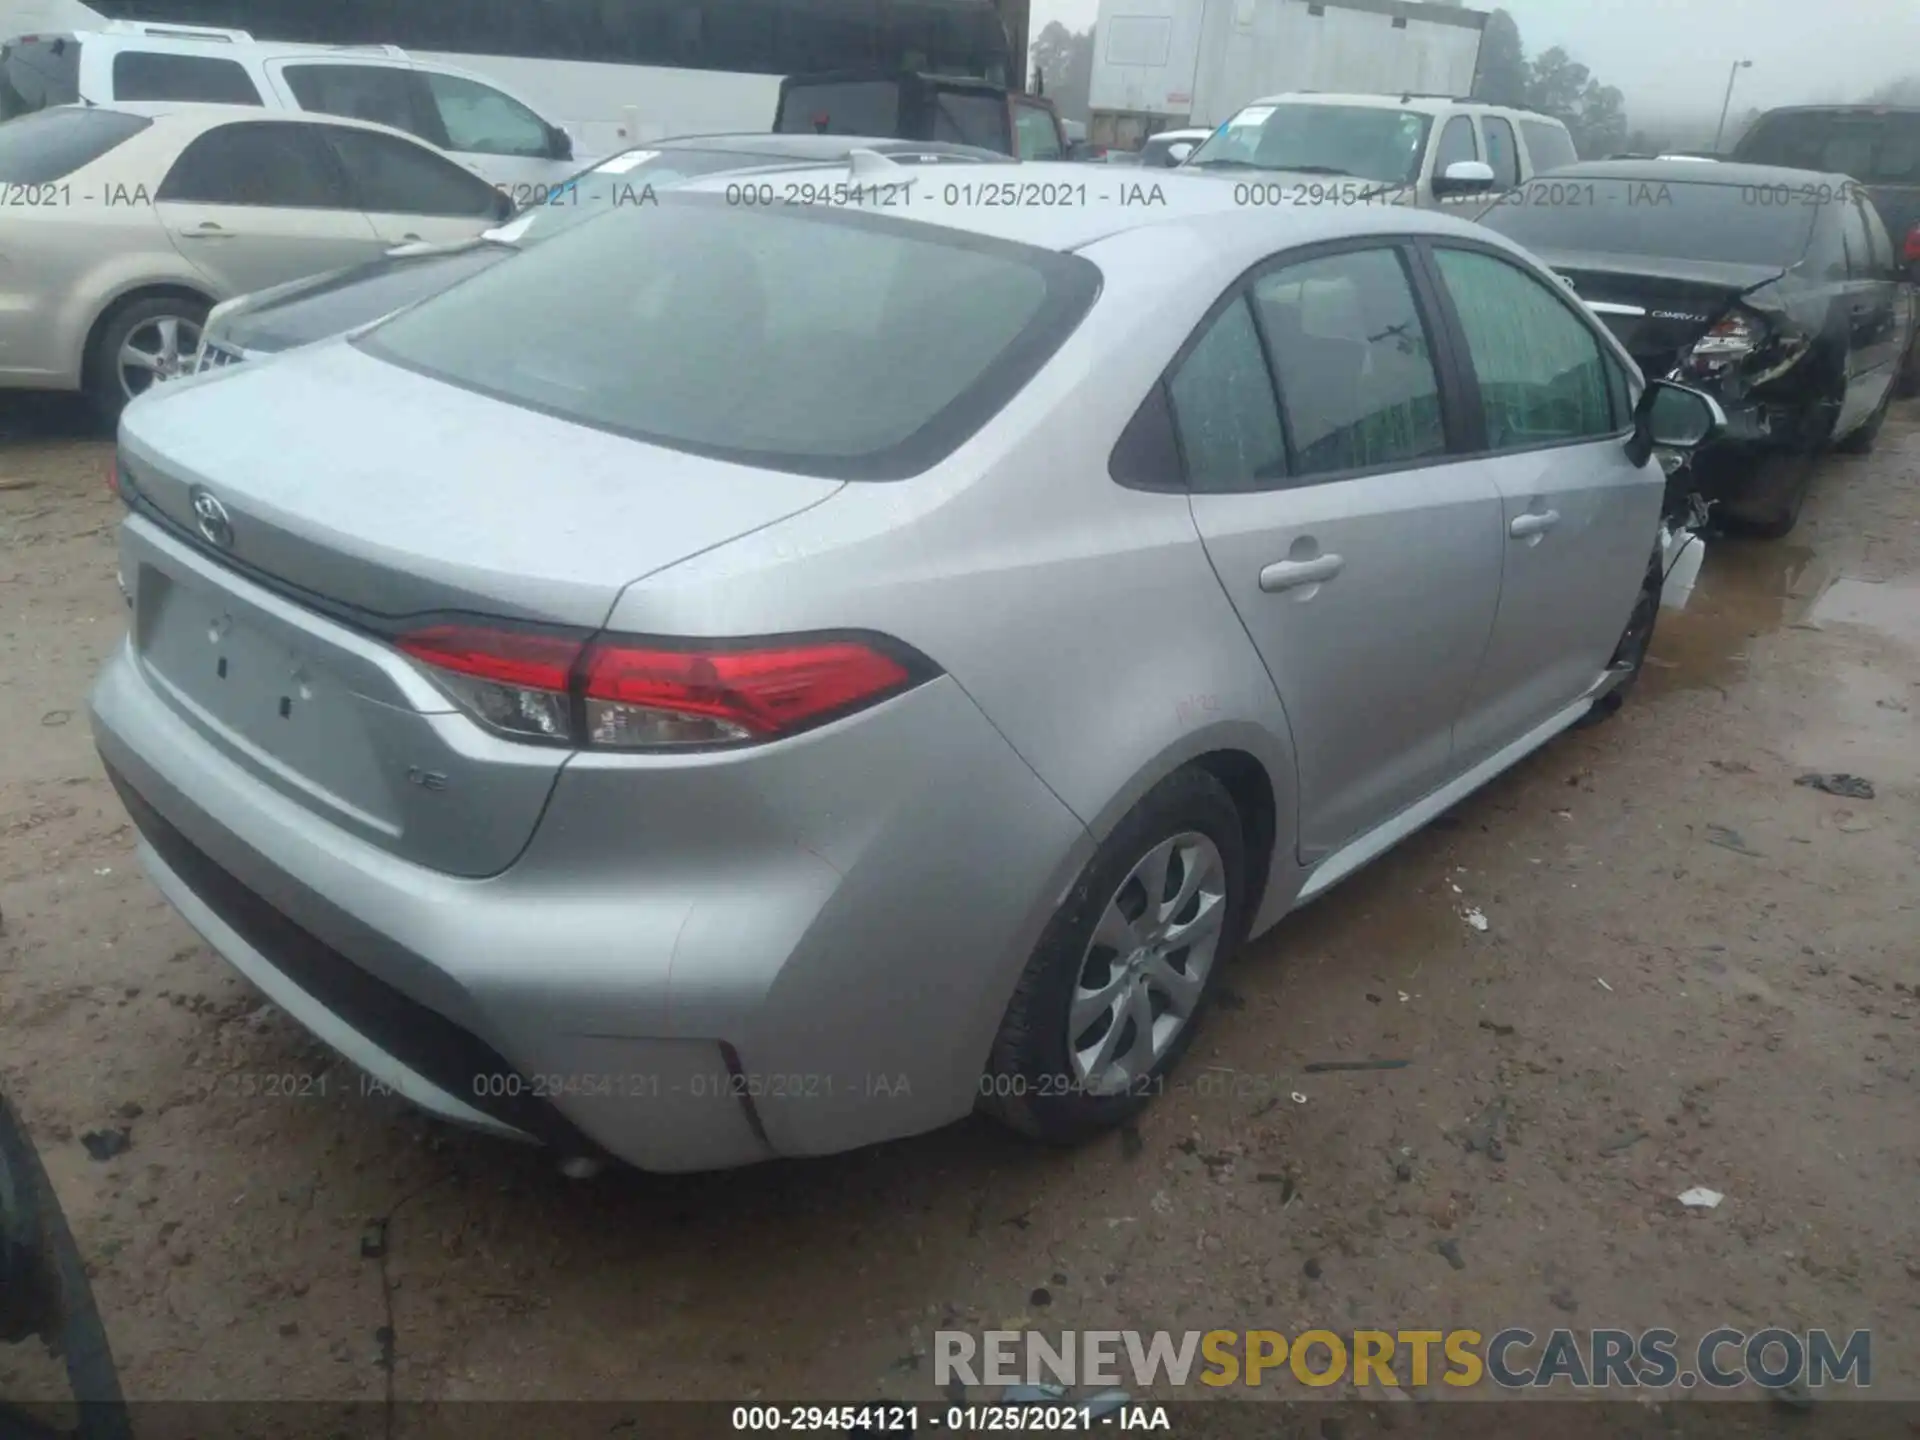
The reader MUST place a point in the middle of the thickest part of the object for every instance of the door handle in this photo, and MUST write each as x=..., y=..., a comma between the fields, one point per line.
x=207, y=232
x=1292, y=574
x=410, y=236
x=1524, y=526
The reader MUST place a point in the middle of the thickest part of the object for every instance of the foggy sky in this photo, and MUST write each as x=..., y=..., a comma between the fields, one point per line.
x=1671, y=57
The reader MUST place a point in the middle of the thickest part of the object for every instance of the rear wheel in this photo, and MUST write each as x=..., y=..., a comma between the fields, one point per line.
x=137, y=346
x=1113, y=993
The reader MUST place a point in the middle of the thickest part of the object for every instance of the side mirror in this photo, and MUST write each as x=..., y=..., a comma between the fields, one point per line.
x=1673, y=417
x=559, y=143
x=1464, y=177
x=1177, y=154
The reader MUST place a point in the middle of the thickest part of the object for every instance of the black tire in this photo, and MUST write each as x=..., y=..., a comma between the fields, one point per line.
x=1028, y=1085
x=1771, y=505
x=106, y=395
x=1635, y=641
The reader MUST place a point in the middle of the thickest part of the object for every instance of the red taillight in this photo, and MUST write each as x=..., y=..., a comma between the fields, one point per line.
x=506, y=657
x=634, y=696
x=1912, y=254
x=642, y=696
x=113, y=476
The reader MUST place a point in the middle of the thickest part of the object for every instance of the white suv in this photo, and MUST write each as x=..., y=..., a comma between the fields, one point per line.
x=1422, y=150
x=496, y=135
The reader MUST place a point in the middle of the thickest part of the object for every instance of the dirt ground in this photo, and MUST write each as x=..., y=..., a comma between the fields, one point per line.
x=1694, y=972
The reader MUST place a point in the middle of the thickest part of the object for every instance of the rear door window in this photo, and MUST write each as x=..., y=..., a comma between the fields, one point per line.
x=389, y=175
x=1548, y=145
x=1224, y=409
x=201, y=79
x=1355, y=367
x=1853, y=235
x=385, y=94
x=39, y=72
x=283, y=166
x=51, y=144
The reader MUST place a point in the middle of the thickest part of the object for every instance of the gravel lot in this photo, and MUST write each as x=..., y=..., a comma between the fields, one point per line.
x=1695, y=972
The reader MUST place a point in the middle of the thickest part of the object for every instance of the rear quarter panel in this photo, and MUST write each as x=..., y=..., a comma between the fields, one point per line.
x=1083, y=618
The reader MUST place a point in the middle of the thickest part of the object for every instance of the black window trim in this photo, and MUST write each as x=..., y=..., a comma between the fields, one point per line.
x=302, y=130
x=1073, y=286
x=1454, y=416
x=1461, y=356
x=259, y=100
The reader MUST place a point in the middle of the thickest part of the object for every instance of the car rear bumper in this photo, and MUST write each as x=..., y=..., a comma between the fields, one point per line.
x=694, y=965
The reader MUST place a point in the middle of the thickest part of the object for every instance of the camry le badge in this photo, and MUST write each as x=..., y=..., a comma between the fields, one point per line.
x=215, y=524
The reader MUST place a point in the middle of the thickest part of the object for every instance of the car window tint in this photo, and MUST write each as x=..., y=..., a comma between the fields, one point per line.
x=1502, y=154
x=1223, y=408
x=385, y=94
x=1357, y=383
x=1456, y=144
x=50, y=144
x=203, y=79
x=394, y=176
x=482, y=120
x=800, y=338
x=1549, y=146
x=855, y=107
x=255, y=164
x=1037, y=136
x=963, y=119
x=1542, y=374
x=1879, y=149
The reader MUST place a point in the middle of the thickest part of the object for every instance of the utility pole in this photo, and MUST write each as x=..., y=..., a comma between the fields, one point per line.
x=1732, y=75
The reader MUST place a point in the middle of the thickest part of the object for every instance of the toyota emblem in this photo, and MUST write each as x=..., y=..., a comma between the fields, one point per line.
x=214, y=521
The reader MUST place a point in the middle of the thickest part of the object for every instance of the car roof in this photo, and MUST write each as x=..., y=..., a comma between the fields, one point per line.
x=1691, y=172
x=1186, y=133
x=1022, y=203
x=1400, y=100
x=1862, y=109
x=819, y=148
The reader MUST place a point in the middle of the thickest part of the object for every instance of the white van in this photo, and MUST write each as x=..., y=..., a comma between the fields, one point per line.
x=497, y=135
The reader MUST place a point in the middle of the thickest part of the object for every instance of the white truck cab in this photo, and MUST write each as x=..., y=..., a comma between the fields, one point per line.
x=1428, y=150
x=494, y=133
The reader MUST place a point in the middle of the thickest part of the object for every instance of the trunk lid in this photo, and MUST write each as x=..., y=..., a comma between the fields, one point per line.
x=1657, y=306
x=350, y=495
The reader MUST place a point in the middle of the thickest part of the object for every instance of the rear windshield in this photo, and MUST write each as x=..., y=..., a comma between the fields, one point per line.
x=842, y=107
x=51, y=144
x=1874, y=149
x=832, y=343
x=38, y=72
x=1655, y=217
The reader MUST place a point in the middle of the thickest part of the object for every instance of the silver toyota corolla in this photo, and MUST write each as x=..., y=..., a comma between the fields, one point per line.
x=764, y=674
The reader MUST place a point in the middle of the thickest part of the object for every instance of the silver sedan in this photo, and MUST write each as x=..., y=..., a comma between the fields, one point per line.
x=764, y=674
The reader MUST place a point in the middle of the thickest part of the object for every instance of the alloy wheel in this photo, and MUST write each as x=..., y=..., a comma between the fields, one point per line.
x=1143, y=971
x=155, y=350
